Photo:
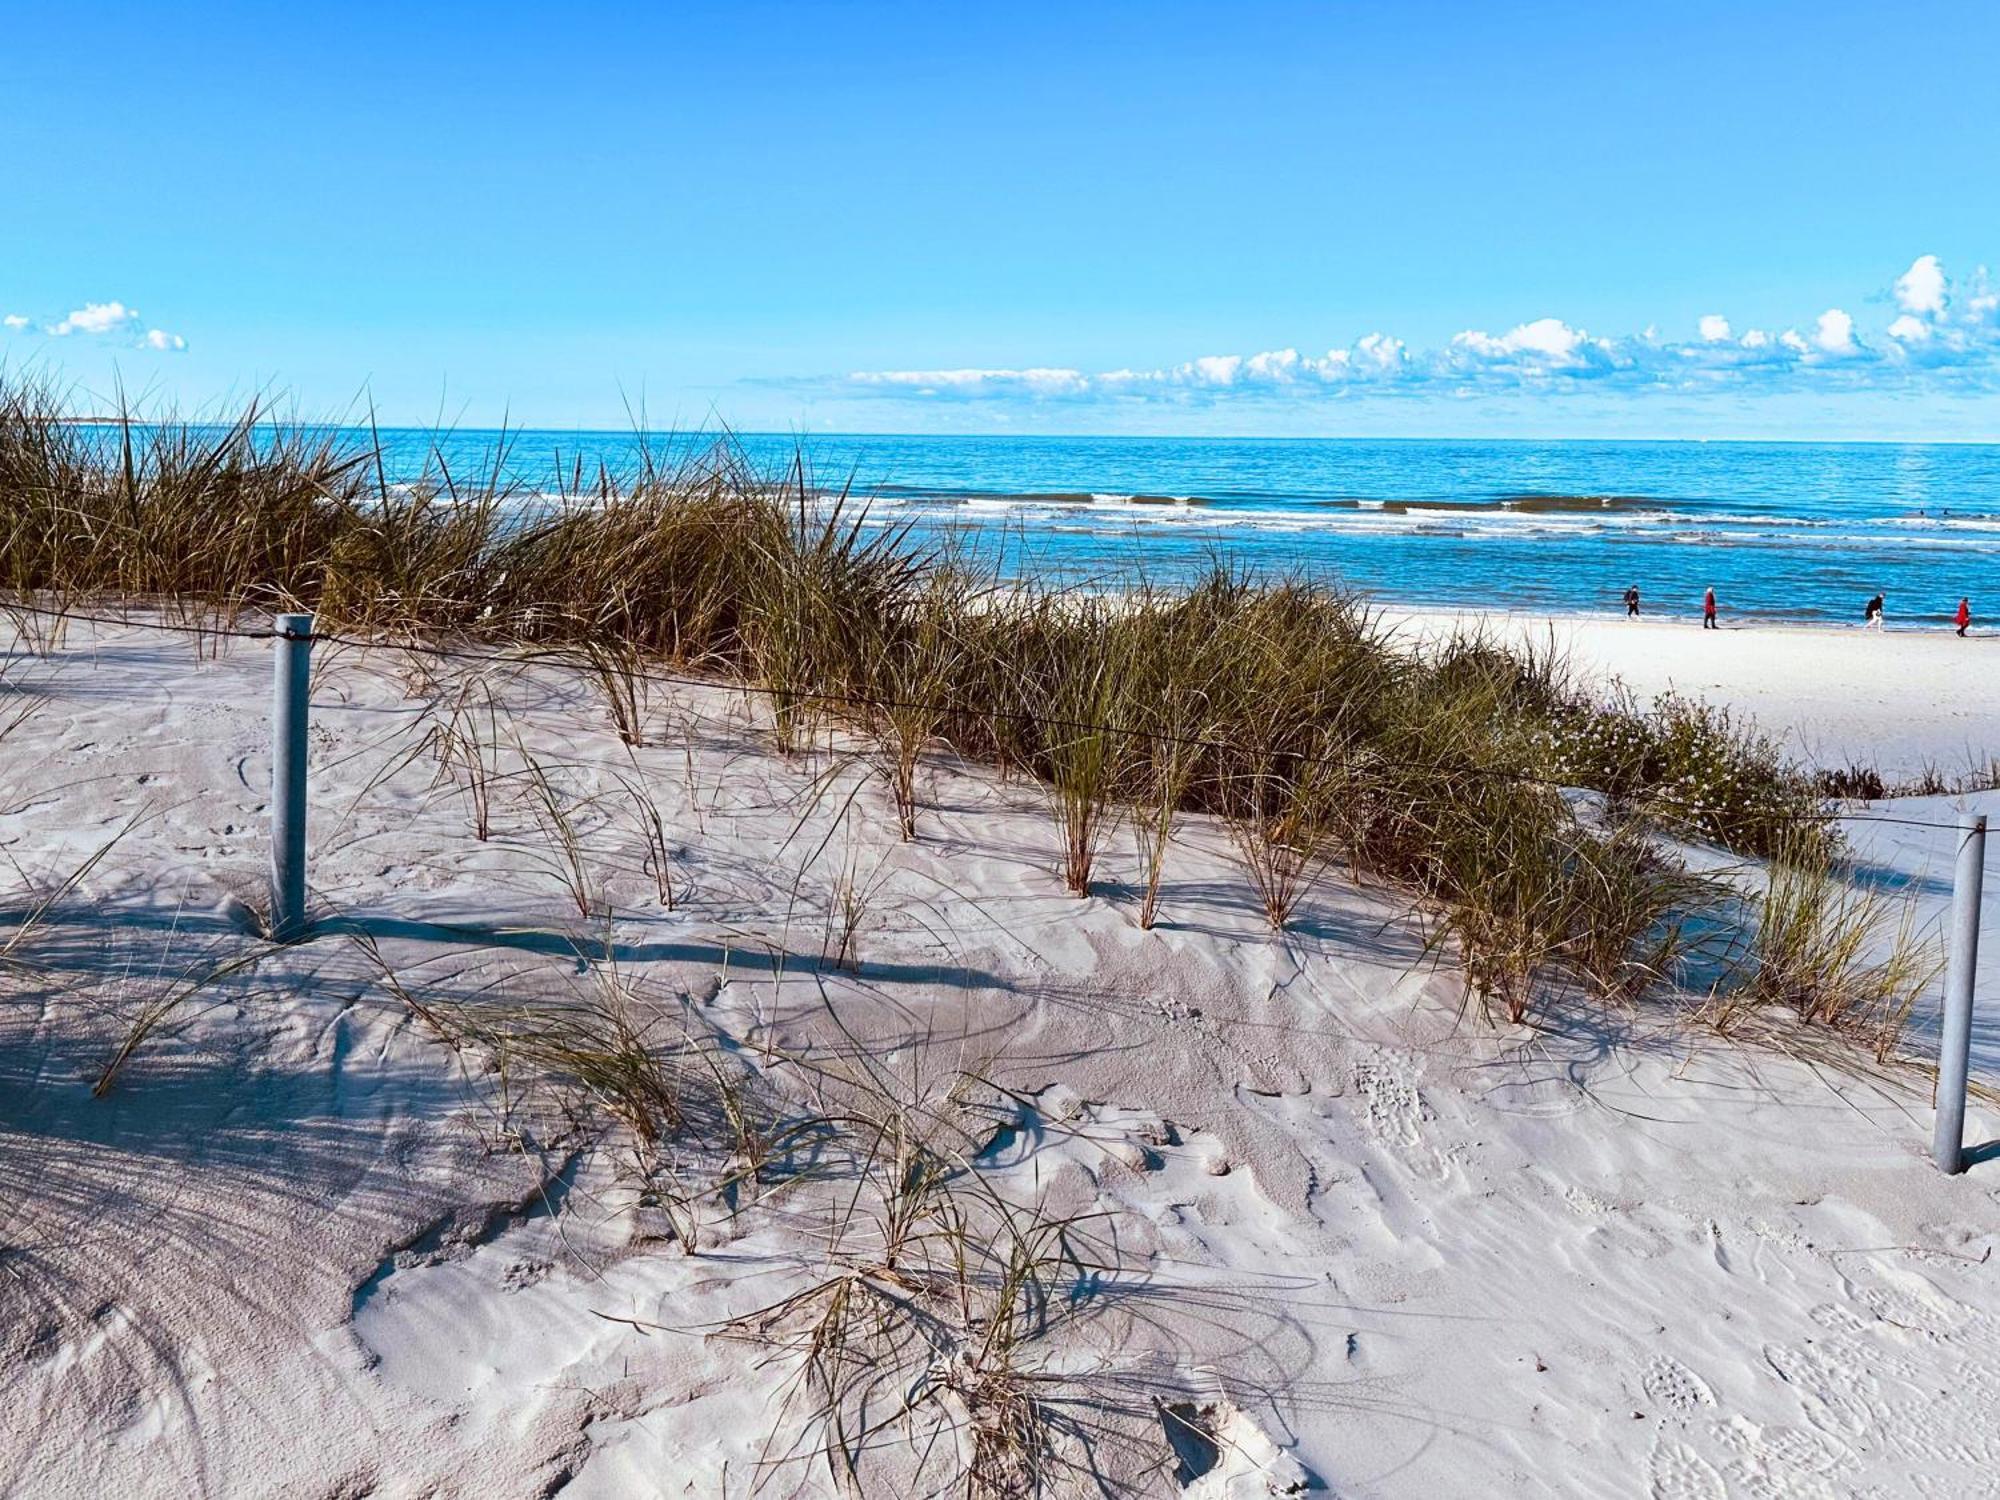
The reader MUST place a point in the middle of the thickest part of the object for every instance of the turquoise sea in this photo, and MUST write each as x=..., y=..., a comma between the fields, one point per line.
x=1782, y=531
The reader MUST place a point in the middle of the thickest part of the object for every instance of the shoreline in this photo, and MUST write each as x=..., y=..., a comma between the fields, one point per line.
x=1418, y=609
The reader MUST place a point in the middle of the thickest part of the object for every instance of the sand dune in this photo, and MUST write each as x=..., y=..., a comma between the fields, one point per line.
x=300, y=1247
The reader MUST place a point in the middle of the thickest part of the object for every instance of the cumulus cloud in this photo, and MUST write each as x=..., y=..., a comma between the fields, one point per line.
x=1375, y=351
x=112, y=321
x=1920, y=289
x=96, y=318
x=1549, y=339
x=1836, y=332
x=1945, y=334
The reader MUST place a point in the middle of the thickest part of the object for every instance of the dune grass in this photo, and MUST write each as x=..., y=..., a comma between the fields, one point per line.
x=1832, y=953
x=1275, y=702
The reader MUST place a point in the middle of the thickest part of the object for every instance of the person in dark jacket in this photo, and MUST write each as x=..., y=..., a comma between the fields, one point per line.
x=1632, y=602
x=1871, y=615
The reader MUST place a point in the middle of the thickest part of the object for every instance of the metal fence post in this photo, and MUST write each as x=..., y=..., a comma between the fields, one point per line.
x=288, y=776
x=1955, y=1035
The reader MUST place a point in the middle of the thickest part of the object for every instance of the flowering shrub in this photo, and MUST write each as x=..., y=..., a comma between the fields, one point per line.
x=1689, y=765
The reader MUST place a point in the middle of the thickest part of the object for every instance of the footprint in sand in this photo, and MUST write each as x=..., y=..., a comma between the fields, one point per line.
x=1776, y=1463
x=1392, y=1108
x=1394, y=1112
x=1586, y=1204
x=1860, y=1380
x=1800, y=1448
x=1747, y=1479
x=1839, y=1395
x=1908, y=1311
x=1952, y=1430
x=1224, y=1455
x=1680, y=1473
x=1673, y=1385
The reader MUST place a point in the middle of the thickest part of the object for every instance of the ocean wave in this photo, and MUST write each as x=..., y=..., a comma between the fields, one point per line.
x=954, y=496
x=1535, y=503
x=1538, y=504
x=1947, y=522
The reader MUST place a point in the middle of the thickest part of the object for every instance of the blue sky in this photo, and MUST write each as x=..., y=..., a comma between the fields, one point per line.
x=1380, y=219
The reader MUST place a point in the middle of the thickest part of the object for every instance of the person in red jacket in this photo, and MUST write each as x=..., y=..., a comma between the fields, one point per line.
x=1708, y=611
x=1964, y=616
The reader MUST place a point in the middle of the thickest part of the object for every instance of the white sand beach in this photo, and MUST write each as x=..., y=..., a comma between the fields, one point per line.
x=1375, y=1245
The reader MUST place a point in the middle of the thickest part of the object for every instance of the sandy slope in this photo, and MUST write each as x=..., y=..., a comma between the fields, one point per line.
x=298, y=1250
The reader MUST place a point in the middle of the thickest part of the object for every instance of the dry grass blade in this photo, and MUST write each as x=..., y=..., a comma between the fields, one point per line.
x=566, y=858
x=1169, y=781
x=848, y=905
x=16, y=707
x=468, y=750
x=34, y=915
x=658, y=859
x=615, y=665
x=432, y=1016
x=154, y=1012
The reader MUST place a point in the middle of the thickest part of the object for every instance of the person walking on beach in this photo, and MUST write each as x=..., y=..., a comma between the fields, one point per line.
x=1871, y=615
x=1708, y=611
x=1632, y=602
x=1964, y=616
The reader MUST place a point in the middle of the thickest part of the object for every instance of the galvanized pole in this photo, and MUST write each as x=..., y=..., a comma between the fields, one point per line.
x=288, y=776
x=1955, y=1035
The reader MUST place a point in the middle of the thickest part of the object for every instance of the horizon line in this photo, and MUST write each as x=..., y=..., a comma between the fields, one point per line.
x=800, y=434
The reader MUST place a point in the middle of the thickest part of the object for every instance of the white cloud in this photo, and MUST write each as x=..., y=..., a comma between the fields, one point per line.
x=1278, y=364
x=102, y=320
x=1038, y=381
x=1835, y=333
x=1548, y=336
x=1379, y=350
x=96, y=318
x=1921, y=289
x=1218, y=369
x=1551, y=338
x=1952, y=342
